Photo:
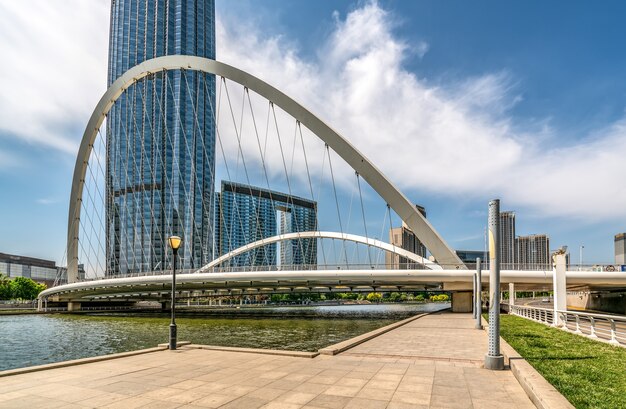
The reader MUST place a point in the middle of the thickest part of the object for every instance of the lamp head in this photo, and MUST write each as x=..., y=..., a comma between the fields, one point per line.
x=174, y=242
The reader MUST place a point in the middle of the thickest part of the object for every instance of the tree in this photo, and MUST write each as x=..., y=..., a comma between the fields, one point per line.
x=394, y=297
x=374, y=297
x=25, y=288
x=5, y=287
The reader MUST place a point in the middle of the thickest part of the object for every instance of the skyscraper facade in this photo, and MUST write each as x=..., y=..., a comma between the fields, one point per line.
x=404, y=238
x=160, y=160
x=620, y=248
x=245, y=214
x=533, y=252
x=507, y=240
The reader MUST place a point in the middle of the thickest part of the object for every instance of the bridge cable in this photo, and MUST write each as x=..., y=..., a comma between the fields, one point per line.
x=358, y=181
x=308, y=174
x=336, y=202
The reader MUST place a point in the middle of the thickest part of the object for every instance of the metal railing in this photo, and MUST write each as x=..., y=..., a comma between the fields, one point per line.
x=610, y=328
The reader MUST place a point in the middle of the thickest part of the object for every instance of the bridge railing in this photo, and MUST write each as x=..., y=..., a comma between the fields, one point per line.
x=611, y=328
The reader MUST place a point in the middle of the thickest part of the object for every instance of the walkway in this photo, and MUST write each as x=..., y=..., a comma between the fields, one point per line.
x=431, y=362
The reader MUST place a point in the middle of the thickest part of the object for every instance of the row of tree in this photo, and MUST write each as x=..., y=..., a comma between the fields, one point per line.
x=19, y=288
x=371, y=297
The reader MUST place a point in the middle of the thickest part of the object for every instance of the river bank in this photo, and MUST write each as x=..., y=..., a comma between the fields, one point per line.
x=39, y=339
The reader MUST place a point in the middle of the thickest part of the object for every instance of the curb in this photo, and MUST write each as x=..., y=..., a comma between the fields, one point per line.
x=350, y=343
x=280, y=352
x=74, y=362
x=541, y=392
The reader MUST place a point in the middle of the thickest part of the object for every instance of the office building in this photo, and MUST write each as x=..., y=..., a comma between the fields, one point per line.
x=507, y=240
x=244, y=214
x=533, y=252
x=620, y=249
x=40, y=270
x=468, y=257
x=404, y=238
x=160, y=161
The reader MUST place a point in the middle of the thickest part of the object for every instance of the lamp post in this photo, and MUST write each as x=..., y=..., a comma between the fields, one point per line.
x=174, y=242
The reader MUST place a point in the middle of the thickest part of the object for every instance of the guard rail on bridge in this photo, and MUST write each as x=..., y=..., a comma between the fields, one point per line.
x=611, y=328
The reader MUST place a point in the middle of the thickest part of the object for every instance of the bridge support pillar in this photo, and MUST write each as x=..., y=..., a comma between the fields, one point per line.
x=39, y=304
x=462, y=301
x=73, y=306
x=560, y=289
x=511, y=295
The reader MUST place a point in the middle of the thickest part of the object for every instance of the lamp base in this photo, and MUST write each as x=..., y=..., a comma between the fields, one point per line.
x=172, y=336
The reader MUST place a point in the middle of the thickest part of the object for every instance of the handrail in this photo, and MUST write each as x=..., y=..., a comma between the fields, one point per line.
x=601, y=327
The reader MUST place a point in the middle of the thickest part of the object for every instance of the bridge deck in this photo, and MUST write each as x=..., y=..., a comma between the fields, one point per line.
x=431, y=362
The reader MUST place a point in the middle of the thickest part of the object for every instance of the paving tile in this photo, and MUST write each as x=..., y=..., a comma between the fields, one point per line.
x=361, y=403
x=245, y=402
x=433, y=361
x=330, y=401
x=301, y=398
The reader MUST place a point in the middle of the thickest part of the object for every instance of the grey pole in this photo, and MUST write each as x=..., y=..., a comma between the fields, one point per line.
x=173, y=309
x=494, y=359
x=475, y=294
x=479, y=288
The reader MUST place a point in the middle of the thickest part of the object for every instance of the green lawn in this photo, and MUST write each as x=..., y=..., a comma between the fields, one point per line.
x=588, y=373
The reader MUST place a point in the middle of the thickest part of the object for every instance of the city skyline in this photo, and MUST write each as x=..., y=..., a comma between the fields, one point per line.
x=575, y=127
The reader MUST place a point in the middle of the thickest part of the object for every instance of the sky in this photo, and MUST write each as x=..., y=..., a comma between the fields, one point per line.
x=457, y=102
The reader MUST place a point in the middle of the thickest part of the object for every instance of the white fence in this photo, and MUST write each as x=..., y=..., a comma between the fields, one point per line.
x=610, y=328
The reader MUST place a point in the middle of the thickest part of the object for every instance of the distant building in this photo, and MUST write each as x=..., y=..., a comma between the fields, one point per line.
x=468, y=257
x=507, y=240
x=533, y=252
x=244, y=214
x=404, y=238
x=620, y=248
x=40, y=270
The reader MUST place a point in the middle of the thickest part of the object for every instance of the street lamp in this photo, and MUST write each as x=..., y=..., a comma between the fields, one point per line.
x=174, y=242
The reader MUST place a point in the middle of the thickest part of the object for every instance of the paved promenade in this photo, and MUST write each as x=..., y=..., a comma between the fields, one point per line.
x=433, y=362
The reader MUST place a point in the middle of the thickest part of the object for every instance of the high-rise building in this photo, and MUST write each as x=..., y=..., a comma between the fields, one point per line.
x=620, y=248
x=507, y=240
x=533, y=252
x=244, y=214
x=160, y=160
x=404, y=238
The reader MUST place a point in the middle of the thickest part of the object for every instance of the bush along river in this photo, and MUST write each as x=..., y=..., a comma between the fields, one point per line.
x=27, y=340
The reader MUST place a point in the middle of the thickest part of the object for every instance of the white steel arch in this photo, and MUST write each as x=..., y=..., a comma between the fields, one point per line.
x=321, y=235
x=442, y=253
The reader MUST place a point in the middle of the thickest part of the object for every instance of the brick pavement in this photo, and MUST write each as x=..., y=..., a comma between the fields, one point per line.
x=431, y=362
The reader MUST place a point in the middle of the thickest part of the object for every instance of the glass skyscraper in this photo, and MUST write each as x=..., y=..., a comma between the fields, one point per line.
x=245, y=214
x=160, y=160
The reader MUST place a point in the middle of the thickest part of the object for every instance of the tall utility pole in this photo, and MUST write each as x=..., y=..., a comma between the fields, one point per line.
x=494, y=359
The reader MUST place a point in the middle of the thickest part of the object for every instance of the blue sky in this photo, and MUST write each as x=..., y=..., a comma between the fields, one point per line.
x=521, y=101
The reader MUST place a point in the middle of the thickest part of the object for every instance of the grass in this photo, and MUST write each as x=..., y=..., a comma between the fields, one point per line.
x=590, y=374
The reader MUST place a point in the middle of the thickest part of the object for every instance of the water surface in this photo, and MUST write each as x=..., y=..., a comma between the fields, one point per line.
x=27, y=340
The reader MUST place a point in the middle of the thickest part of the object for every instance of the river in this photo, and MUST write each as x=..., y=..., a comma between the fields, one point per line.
x=27, y=340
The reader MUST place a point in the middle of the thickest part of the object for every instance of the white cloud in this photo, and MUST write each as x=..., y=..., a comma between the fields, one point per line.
x=455, y=140
x=53, y=69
